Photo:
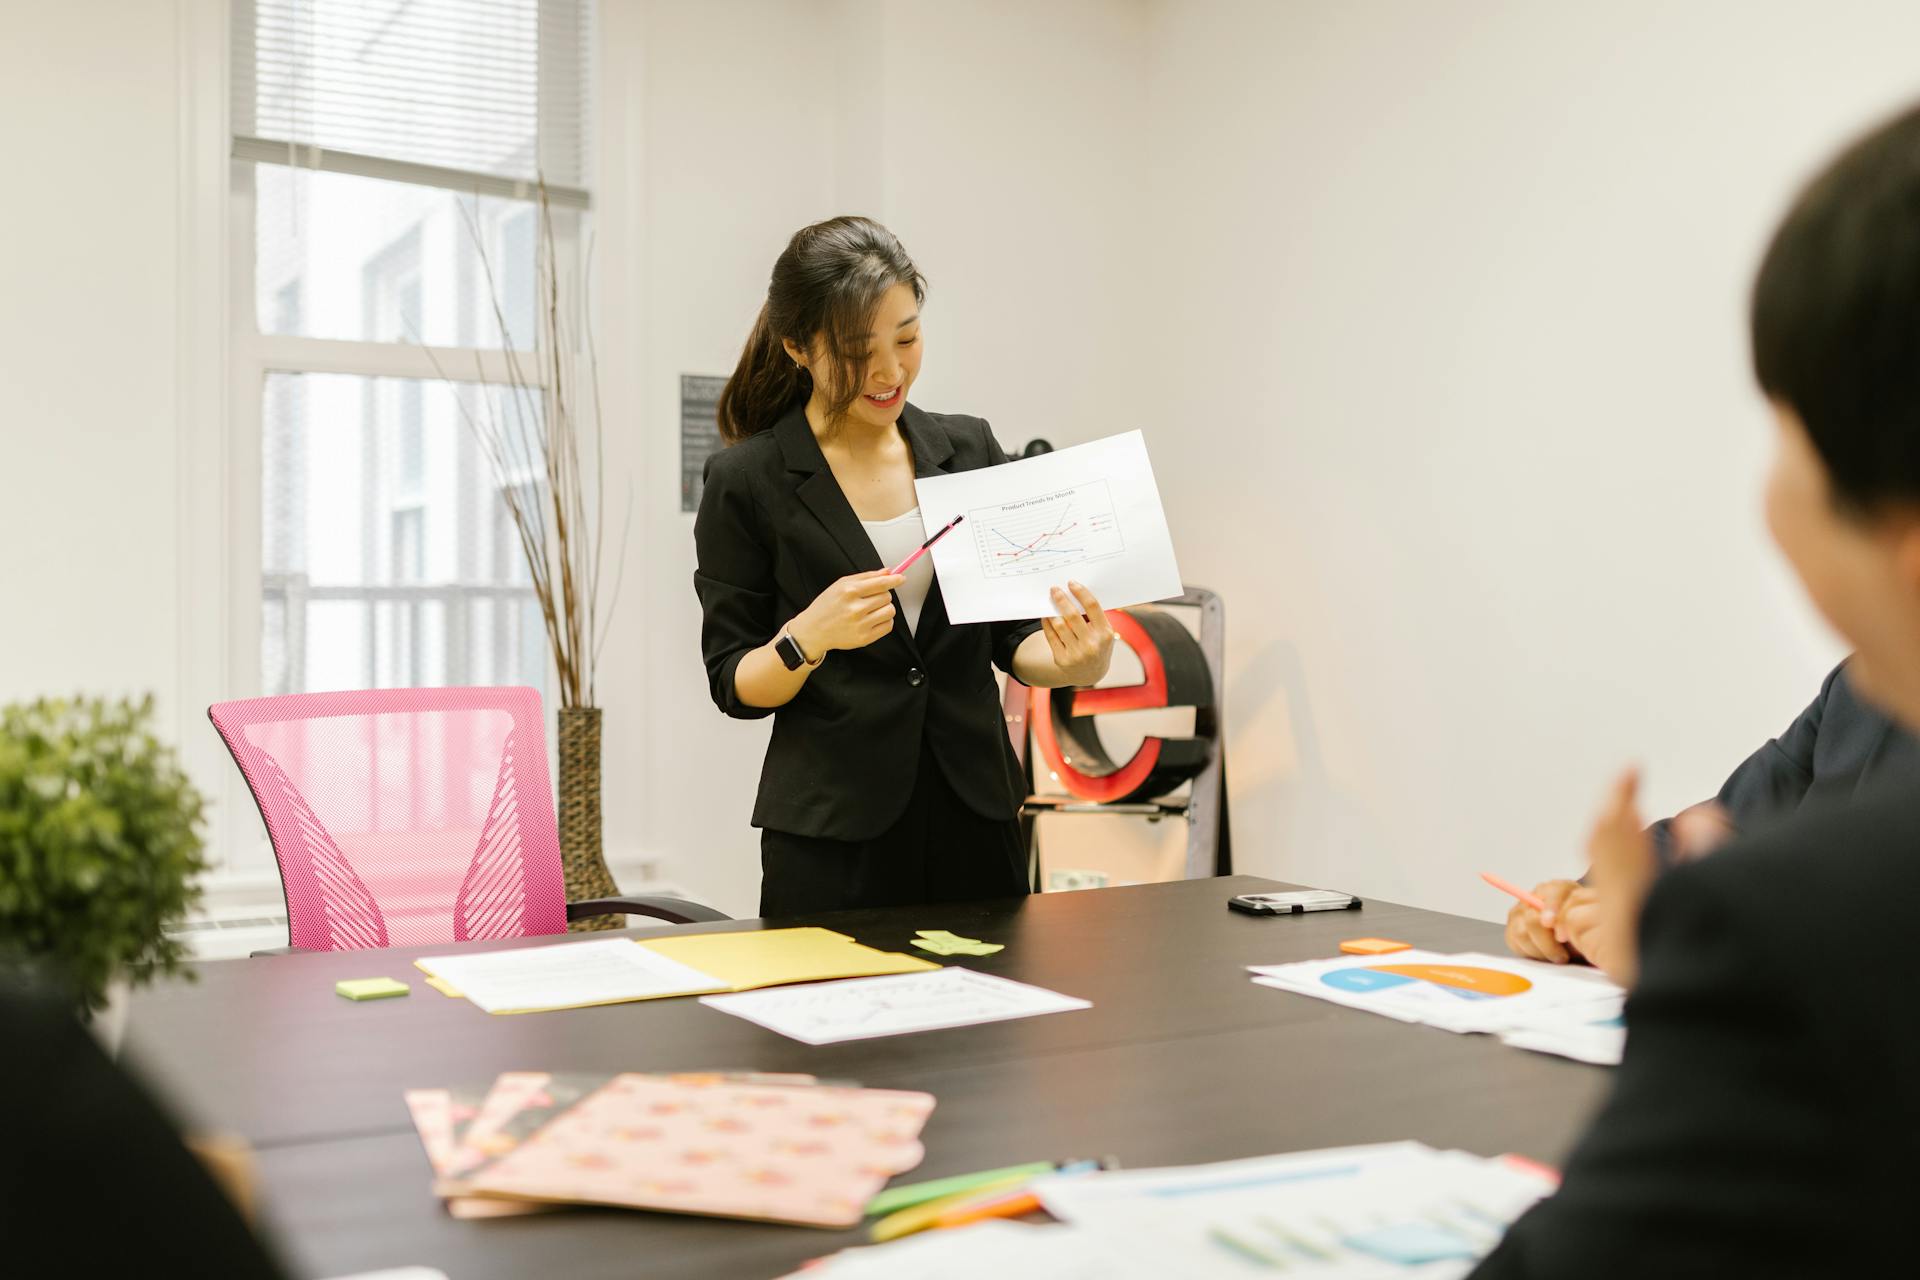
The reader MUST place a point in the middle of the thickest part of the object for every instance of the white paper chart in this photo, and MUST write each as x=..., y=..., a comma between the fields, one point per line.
x=864, y=1008
x=1053, y=533
x=1089, y=514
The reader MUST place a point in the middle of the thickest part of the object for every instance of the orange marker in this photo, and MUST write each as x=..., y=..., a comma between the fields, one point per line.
x=1504, y=886
x=1013, y=1206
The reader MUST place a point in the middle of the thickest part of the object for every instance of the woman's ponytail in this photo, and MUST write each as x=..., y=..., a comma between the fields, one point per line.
x=765, y=385
x=825, y=285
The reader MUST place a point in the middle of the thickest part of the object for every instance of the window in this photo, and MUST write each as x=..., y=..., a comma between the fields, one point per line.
x=386, y=266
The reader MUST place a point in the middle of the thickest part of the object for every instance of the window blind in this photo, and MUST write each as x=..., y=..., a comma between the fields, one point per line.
x=473, y=95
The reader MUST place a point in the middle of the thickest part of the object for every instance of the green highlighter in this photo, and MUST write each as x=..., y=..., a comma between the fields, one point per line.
x=920, y=1192
x=369, y=988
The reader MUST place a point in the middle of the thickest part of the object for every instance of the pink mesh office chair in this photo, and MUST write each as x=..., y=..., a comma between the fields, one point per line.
x=408, y=817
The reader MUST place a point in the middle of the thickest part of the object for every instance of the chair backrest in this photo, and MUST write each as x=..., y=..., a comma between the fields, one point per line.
x=404, y=817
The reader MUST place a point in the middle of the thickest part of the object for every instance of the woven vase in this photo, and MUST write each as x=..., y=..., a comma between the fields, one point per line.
x=580, y=857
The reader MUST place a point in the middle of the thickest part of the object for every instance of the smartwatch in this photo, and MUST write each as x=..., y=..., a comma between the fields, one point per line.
x=791, y=653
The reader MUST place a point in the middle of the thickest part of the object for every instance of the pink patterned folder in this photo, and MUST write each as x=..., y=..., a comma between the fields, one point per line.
x=812, y=1156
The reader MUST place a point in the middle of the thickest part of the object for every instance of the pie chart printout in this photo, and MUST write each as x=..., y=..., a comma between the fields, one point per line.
x=1465, y=981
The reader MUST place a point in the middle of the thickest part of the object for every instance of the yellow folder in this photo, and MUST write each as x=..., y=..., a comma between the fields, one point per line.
x=765, y=958
x=774, y=957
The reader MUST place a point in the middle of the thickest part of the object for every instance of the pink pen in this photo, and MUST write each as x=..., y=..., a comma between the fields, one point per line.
x=1514, y=889
x=907, y=564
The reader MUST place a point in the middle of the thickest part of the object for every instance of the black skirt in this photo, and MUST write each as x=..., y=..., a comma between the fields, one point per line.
x=940, y=850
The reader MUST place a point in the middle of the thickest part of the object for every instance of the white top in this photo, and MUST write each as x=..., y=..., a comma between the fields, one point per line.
x=895, y=540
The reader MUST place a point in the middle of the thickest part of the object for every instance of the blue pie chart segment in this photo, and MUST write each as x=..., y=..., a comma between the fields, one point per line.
x=1365, y=980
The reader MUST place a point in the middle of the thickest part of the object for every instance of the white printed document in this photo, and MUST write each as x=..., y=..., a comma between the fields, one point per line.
x=1090, y=513
x=1595, y=1032
x=1003, y=1250
x=567, y=975
x=863, y=1008
x=1393, y=1210
x=1467, y=992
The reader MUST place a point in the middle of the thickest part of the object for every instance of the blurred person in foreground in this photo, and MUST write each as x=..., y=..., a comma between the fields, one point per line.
x=1762, y=1119
x=93, y=1177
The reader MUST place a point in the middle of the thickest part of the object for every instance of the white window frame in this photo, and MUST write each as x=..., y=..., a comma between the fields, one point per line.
x=244, y=867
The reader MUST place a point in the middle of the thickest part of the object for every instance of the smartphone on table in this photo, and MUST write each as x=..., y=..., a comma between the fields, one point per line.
x=1293, y=904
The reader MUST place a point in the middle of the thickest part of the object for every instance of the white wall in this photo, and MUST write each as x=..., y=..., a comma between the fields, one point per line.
x=722, y=158
x=1009, y=137
x=1451, y=296
x=88, y=447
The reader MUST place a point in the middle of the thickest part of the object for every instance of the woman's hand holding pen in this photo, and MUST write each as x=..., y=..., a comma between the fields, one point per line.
x=850, y=614
x=1080, y=639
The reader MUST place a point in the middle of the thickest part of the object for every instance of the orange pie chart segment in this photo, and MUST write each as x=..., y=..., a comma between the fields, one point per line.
x=1486, y=982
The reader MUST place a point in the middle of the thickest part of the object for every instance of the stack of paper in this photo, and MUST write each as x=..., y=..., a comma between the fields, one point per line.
x=1387, y=1212
x=830, y=1012
x=1550, y=1008
x=573, y=975
x=773, y=1147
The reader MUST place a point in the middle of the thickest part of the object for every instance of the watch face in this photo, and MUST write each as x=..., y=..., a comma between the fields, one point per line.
x=789, y=652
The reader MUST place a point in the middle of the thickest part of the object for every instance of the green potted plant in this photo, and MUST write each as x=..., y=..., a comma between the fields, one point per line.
x=100, y=849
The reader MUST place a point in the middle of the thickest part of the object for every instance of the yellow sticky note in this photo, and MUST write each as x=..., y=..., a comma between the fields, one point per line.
x=444, y=987
x=773, y=957
x=369, y=988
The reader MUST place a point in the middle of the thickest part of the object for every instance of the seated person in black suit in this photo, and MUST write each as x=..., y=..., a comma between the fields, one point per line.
x=1763, y=1120
x=93, y=1179
x=1838, y=745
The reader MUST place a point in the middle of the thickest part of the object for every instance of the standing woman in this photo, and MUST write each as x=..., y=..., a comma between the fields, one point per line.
x=890, y=779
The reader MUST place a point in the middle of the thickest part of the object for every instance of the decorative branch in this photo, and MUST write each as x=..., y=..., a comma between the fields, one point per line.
x=537, y=442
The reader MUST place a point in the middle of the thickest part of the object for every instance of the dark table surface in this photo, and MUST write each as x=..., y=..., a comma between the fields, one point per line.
x=1181, y=1059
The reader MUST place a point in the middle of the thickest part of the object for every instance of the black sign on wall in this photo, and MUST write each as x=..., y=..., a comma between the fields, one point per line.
x=699, y=432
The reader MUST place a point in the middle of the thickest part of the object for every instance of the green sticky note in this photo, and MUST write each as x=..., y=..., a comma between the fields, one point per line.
x=936, y=933
x=369, y=988
x=958, y=946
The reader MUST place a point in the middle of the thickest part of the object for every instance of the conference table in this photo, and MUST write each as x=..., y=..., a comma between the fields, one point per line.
x=1180, y=1060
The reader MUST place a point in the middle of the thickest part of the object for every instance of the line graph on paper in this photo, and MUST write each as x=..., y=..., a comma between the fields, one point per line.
x=1047, y=534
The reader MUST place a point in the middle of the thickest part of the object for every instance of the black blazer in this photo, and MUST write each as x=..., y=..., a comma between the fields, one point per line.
x=774, y=530
x=1836, y=747
x=1764, y=1119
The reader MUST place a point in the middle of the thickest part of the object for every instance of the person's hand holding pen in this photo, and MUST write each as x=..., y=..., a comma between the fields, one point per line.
x=1564, y=920
x=1582, y=922
x=1530, y=928
x=858, y=609
x=851, y=613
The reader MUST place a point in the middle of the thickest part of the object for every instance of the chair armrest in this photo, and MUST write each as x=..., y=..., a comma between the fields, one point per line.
x=662, y=907
x=282, y=951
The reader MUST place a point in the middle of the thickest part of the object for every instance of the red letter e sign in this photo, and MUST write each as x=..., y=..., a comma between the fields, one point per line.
x=1176, y=675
